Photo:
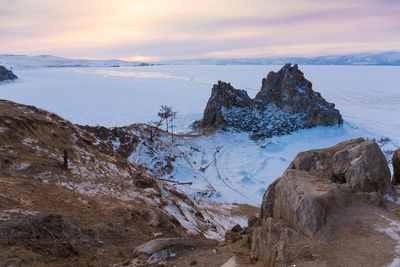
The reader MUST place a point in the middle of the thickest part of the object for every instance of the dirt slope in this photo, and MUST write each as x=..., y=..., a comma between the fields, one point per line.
x=96, y=211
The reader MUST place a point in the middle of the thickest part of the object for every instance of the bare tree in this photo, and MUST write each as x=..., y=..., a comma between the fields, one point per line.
x=165, y=113
x=172, y=118
x=154, y=126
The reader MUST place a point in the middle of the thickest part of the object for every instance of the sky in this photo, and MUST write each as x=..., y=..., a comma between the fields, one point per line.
x=152, y=30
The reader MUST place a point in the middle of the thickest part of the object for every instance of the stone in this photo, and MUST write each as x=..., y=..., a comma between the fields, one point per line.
x=357, y=162
x=6, y=75
x=236, y=228
x=285, y=103
x=252, y=221
x=230, y=263
x=318, y=183
x=234, y=234
x=159, y=244
x=396, y=167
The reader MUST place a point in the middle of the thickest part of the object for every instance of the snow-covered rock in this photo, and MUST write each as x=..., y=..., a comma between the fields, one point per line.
x=285, y=103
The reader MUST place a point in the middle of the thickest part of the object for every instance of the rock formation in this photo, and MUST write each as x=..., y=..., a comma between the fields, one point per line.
x=224, y=97
x=285, y=103
x=396, y=167
x=6, y=74
x=316, y=185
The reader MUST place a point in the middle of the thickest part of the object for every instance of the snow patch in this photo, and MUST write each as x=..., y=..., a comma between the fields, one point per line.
x=20, y=166
x=393, y=231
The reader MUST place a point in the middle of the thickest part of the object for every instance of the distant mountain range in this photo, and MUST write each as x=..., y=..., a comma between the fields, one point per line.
x=385, y=58
x=23, y=62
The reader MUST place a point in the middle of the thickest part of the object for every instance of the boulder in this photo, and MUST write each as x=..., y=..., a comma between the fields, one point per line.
x=285, y=103
x=358, y=163
x=396, y=167
x=230, y=263
x=159, y=244
x=318, y=183
x=6, y=74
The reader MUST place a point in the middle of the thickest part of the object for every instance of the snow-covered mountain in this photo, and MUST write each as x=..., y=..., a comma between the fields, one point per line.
x=385, y=58
x=26, y=62
x=23, y=62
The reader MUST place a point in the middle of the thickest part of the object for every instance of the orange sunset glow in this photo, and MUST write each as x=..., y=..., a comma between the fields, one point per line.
x=157, y=29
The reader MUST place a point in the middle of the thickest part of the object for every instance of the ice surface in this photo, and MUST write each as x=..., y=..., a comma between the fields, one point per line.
x=230, y=167
x=368, y=97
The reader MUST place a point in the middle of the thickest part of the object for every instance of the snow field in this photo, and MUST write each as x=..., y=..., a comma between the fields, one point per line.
x=227, y=167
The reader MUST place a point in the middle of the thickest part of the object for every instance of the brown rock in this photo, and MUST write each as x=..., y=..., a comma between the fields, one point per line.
x=359, y=163
x=252, y=221
x=223, y=95
x=396, y=167
x=237, y=228
x=317, y=184
x=292, y=93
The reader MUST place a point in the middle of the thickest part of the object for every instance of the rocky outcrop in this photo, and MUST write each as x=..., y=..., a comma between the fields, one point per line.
x=357, y=163
x=6, y=74
x=223, y=97
x=317, y=184
x=285, y=103
x=288, y=90
x=396, y=167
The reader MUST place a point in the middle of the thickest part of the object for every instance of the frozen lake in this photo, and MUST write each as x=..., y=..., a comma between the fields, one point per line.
x=368, y=98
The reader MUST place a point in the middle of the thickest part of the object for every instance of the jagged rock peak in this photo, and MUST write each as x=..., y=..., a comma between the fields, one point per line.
x=289, y=90
x=285, y=103
x=280, y=87
x=223, y=96
x=6, y=74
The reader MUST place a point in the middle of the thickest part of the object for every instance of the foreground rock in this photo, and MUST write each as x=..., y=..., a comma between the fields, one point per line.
x=285, y=103
x=396, y=167
x=317, y=186
x=6, y=75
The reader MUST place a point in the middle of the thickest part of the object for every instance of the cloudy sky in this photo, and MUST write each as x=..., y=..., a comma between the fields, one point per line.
x=175, y=29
